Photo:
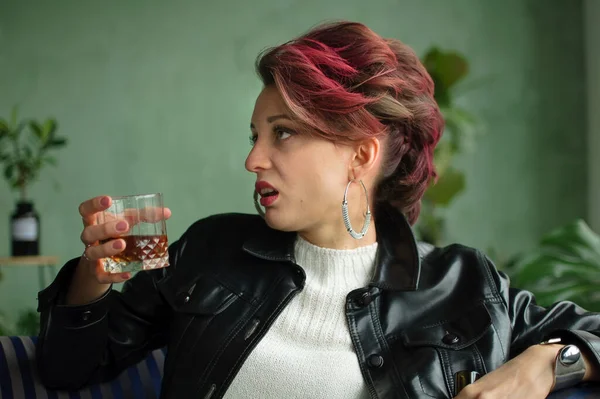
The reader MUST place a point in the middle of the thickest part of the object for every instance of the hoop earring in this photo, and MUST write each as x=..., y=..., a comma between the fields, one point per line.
x=346, y=216
x=257, y=205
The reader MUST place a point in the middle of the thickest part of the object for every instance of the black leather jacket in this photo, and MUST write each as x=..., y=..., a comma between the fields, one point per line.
x=427, y=314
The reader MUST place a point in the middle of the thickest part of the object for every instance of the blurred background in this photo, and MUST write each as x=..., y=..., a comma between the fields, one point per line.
x=146, y=96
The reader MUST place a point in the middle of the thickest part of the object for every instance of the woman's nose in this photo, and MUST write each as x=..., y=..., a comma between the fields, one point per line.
x=258, y=159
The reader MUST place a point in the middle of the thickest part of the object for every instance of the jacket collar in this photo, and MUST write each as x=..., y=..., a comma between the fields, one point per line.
x=397, y=264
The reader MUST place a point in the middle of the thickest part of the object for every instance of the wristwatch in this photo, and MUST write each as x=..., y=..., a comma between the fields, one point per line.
x=569, y=367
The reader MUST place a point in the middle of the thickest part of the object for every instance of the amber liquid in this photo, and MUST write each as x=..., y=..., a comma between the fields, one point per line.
x=142, y=252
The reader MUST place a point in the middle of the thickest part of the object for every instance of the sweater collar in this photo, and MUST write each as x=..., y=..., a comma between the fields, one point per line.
x=397, y=264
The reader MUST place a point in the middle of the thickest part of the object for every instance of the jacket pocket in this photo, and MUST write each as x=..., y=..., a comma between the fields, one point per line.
x=440, y=350
x=206, y=296
x=199, y=310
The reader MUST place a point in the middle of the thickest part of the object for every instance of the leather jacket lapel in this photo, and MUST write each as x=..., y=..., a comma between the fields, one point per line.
x=397, y=264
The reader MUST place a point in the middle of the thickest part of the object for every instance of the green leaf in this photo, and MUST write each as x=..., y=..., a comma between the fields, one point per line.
x=430, y=228
x=461, y=128
x=37, y=130
x=50, y=127
x=450, y=184
x=6, y=327
x=565, y=266
x=575, y=238
x=441, y=93
x=442, y=156
x=57, y=142
x=28, y=152
x=448, y=67
x=3, y=128
x=9, y=171
x=28, y=323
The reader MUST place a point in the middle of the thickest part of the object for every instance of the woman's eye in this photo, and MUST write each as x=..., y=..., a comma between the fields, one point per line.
x=283, y=134
x=280, y=133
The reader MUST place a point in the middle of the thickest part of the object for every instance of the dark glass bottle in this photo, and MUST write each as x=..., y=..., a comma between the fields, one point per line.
x=25, y=230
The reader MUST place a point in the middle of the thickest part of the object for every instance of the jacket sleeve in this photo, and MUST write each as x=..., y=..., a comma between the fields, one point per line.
x=85, y=344
x=531, y=323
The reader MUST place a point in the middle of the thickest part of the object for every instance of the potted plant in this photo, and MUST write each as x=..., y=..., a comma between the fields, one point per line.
x=24, y=151
x=564, y=267
x=447, y=69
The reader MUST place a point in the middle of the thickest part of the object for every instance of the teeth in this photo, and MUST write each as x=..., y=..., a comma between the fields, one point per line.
x=266, y=191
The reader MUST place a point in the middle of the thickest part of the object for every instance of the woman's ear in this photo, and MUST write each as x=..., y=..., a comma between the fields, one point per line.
x=366, y=158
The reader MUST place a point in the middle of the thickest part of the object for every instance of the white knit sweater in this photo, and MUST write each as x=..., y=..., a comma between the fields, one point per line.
x=307, y=352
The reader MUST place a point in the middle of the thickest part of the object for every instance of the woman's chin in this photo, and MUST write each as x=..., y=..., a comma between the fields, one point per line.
x=277, y=221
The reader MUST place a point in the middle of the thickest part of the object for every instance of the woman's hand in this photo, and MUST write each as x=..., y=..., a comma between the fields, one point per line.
x=529, y=375
x=101, y=240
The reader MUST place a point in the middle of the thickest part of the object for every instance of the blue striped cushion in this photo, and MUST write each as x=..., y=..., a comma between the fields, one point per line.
x=19, y=380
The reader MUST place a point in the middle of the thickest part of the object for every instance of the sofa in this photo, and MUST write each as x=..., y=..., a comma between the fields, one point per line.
x=19, y=380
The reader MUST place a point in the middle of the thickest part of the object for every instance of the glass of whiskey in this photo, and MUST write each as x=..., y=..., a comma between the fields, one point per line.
x=146, y=243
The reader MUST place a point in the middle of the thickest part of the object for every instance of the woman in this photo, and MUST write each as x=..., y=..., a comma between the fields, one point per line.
x=315, y=300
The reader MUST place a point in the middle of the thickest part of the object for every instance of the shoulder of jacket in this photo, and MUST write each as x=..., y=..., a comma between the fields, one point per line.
x=451, y=253
x=214, y=234
x=223, y=229
x=226, y=222
x=472, y=260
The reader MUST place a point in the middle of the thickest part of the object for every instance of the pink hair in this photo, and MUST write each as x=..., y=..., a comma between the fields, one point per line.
x=345, y=83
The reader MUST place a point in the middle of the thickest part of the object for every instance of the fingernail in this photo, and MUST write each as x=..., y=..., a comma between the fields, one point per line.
x=122, y=226
x=118, y=244
x=104, y=201
x=126, y=276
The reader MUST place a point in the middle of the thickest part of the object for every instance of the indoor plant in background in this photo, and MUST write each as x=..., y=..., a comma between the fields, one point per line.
x=5, y=326
x=447, y=69
x=565, y=266
x=24, y=150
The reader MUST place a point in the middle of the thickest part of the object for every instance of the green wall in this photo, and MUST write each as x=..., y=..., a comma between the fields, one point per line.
x=157, y=96
x=592, y=40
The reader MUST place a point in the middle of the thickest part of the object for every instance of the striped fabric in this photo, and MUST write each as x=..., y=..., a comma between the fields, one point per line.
x=19, y=380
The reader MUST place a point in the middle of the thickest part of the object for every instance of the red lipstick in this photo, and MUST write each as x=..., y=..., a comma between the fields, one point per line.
x=268, y=193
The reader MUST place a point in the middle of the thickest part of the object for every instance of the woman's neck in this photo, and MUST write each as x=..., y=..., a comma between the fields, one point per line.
x=336, y=236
